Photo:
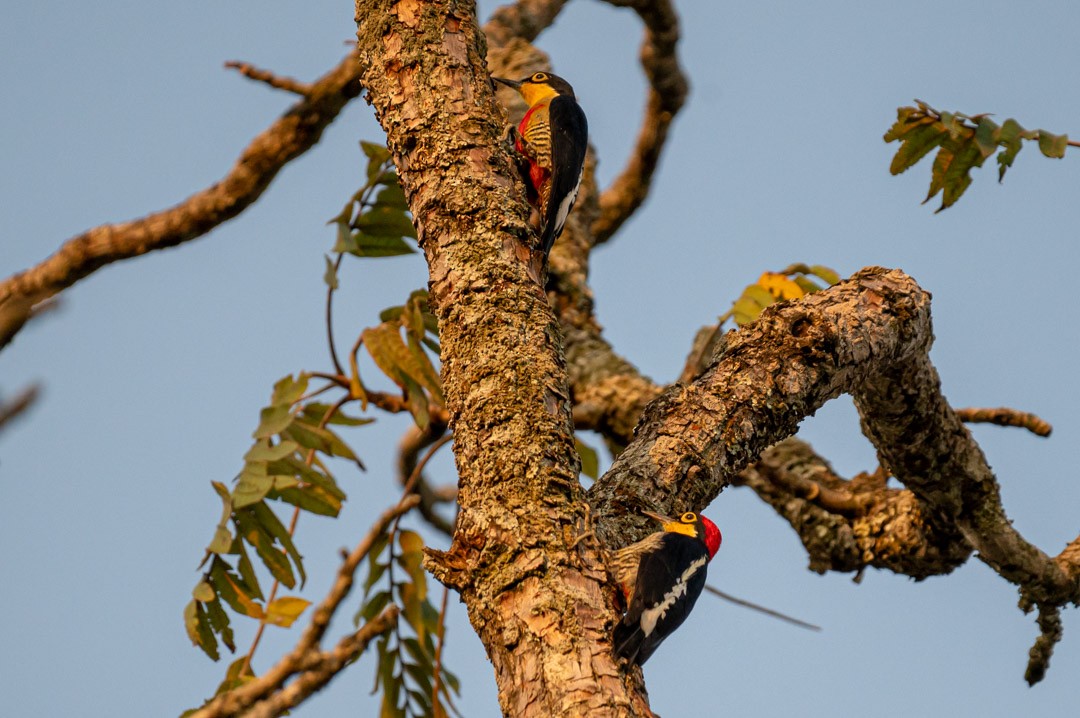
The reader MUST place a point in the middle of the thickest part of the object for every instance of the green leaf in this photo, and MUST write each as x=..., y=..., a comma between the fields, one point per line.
x=222, y=537
x=375, y=573
x=198, y=629
x=427, y=377
x=420, y=676
x=287, y=390
x=219, y=623
x=374, y=605
x=937, y=172
x=263, y=451
x=745, y=311
x=590, y=461
x=986, y=136
x=269, y=521
x=362, y=244
x=238, y=673
x=958, y=174
x=311, y=476
x=915, y=146
x=412, y=597
x=273, y=420
x=391, y=314
x=330, y=276
x=826, y=275
x=391, y=196
x=230, y=589
x=375, y=152
x=417, y=401
x=313, y=499
x=346, y=241
x=1010, y=138
x=808, y=286
x=274, y=560
x=1053, y=146
x=452, y=680
x=251, y=488
x=422, y=701
x=385, y=222
x=247, y=572
x=417, y=653
x=319, y=438
x=285, y=610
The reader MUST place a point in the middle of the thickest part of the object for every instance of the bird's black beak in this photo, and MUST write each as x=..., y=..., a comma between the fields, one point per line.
x=509, y=83
x=659, y=517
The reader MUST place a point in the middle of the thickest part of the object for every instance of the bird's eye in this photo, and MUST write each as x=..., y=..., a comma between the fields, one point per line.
x=689, y=517
x=539, y=77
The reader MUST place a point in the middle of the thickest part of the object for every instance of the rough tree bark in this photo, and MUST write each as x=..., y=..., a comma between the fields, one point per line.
x=524, y=364
x=523, y=558
x=525, y=555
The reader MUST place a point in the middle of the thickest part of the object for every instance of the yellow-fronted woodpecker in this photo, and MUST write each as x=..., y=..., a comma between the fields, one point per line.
x=553, y=136
x=661, y=577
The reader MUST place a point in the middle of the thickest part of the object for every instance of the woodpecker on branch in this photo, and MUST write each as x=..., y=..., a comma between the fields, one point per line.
x=661, y=577
x=552, y=136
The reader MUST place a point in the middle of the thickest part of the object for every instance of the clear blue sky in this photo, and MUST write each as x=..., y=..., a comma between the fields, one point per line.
x=155, y=369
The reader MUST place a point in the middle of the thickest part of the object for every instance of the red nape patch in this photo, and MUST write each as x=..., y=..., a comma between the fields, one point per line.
x=712, y=537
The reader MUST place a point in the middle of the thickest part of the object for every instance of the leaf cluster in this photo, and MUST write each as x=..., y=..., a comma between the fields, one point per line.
x=963, y=142
x=400, y=347
x=413, y=681
x=375, y=222
x=286, y=463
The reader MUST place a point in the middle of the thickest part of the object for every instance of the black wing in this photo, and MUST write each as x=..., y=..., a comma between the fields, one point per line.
x=659, y=573
x=569, y=139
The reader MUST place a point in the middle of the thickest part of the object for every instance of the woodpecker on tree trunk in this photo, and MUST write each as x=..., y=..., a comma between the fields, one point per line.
x=552, y=136
x=661, y=577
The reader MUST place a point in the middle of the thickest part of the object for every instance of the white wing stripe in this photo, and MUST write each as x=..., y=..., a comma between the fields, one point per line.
x=650, y=617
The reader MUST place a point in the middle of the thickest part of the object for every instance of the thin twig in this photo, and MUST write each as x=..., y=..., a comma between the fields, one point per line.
x=330, y=317
x=291, y=135
x=761, y=609
x=279, y=82
x=22, y=401
x=1004, y=416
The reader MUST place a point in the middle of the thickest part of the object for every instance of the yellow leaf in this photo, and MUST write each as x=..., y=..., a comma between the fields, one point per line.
x=203, y=592
x=780, y=286
x=283, y=611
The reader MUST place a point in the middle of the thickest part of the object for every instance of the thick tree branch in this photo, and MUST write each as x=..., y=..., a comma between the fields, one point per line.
x=922, y=441
x=850, y=525
x=868, y=336
x=287, y=138
x=770, y=375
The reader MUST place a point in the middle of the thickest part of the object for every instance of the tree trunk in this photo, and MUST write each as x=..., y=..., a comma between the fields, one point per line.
x=523, y=558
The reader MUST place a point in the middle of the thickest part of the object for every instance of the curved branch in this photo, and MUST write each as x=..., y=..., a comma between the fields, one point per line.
x=668, y=88
x=868, y=336
x=287, y=138
x=850, y=525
